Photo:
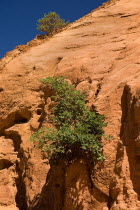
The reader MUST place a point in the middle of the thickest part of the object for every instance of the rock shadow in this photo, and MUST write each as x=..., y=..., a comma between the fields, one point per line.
x=130, y=135
x=67, y=187
x=52, y=193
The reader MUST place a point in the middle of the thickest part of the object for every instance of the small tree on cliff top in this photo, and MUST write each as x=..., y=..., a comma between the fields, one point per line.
x=50, y=23
x=78, y=131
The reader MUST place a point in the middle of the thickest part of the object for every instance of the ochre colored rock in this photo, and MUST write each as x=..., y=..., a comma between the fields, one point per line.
x=100, y=54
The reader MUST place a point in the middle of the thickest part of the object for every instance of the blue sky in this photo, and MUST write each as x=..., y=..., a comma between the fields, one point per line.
x=18, y=18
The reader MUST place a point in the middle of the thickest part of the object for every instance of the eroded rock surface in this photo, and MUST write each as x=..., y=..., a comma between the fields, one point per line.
x=100, y=54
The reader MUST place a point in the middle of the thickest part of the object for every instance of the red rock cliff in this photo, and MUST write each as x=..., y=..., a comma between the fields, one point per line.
x=100, y=53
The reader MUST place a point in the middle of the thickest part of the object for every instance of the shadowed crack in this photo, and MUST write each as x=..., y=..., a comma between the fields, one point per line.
x=7, y=130
x=97, y=91
x=15, y=136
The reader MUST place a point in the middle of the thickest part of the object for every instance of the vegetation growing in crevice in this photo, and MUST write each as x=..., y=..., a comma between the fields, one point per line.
x=77, y=131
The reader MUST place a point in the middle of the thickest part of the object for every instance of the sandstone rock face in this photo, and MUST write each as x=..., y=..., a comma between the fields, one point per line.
x=100, y=54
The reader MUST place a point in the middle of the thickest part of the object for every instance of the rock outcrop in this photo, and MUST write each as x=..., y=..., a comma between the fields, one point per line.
x=100, y=54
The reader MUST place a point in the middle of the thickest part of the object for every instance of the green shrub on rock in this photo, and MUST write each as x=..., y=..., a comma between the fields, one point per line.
x=50, y=23
x=77, y=131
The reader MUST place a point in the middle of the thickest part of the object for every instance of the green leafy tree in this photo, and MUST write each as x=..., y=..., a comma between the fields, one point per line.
x=77, y=131
x=50, y=23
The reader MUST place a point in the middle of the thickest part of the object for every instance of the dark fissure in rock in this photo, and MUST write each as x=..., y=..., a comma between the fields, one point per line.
x=1, y=89
x=97, y=91
x=21, y=199
x=129, y=134
x=15, y=136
